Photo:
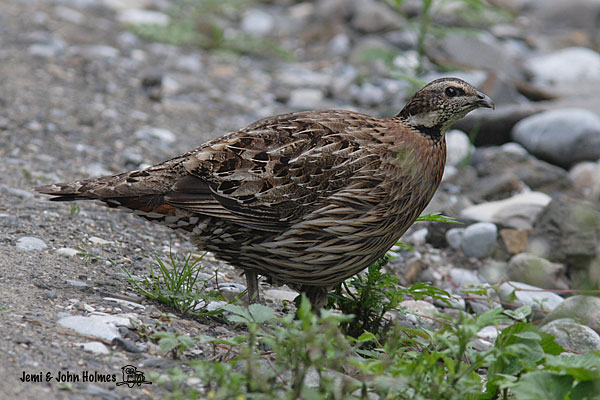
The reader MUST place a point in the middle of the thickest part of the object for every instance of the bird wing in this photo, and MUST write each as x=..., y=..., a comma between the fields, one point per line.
x=271, y=173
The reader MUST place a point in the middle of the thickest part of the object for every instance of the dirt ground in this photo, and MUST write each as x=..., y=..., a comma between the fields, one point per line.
x=64, y=116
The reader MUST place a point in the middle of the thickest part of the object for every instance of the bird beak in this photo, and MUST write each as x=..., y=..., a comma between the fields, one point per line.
x=483, y=100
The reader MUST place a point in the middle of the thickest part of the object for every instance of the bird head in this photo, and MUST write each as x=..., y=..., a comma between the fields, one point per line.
x=433, y=109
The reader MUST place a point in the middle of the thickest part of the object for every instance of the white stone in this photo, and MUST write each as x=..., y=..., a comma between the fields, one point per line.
x=29, y=243
x=98, y=241
x=280, y=295
x=67, y=252
x=308, y=98
x=143, y=17
x=494, y=211
x=573, y=64
x=149, y=132
x=458, y=146
x=94, y=347
x=257, y=22
x=103, y=327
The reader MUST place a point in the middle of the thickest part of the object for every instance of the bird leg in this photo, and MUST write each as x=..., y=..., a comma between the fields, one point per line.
x=252, y=285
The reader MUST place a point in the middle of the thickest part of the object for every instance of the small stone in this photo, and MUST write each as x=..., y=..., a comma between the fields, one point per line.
x=103, y=327
x=537, y=271
x=585, y=177
x=573, y=336
x=67, y=252
x=149, y=133
x=479, y=240
x=98, y=51
x=29, y=243
x=373, y=16
x=305, y=98
x=143, y=17
x=70, y=15
x=94, y=347
x=486, y=337
x=98, y=241
x=368, y=94
x=76, y=283
x=189, y=63
x=280, y=295
x=257, y=22
x=458, y=146
x=24, y=194
x=522, y=208
x=515, y=240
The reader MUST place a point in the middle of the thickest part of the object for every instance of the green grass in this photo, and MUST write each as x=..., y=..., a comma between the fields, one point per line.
x=176, y=283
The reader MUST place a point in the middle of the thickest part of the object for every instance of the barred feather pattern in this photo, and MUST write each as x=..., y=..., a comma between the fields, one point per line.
x=307, y=198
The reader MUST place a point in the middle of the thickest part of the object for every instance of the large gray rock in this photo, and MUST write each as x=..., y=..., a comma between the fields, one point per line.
x=537, y=271
x=562, y=136
x=583, y=309
x=573, y=64
x=567, y=231
x=573, y=336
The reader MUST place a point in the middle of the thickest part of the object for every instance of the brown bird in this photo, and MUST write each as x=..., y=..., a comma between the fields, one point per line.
x=308, y=198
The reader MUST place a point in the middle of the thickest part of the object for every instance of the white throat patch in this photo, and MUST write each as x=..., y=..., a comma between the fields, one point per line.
x=427, y=119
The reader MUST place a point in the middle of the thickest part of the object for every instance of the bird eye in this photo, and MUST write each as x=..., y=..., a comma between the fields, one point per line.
x=450, y=92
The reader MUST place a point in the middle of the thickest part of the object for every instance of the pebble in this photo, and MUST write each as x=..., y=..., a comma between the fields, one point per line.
x=583, y=309
x=585, y=177
x=523, y=206
x=143, y=17
x=458, y=146
x=529, y=295
x=98, y=241
x=544, y=136
x=479, y=240
x=94, y=347
x=573, y=336
x=149, y=133
x=103, y=327
x=257, y=22
x=29, y=243
x=374, y=16
x=572, y=64
x=279, y=295
x=536, y=271
x=67, y=252
x=368, y=94
x=305, y=98
x=15, y=192
x=76, y=283
x=486, y=337
x=70, y=15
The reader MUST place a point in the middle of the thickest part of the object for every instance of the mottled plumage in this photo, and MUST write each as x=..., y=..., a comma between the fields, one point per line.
x=307, y=198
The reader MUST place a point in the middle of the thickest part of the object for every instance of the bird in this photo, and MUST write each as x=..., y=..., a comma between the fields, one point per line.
x=306, y=199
